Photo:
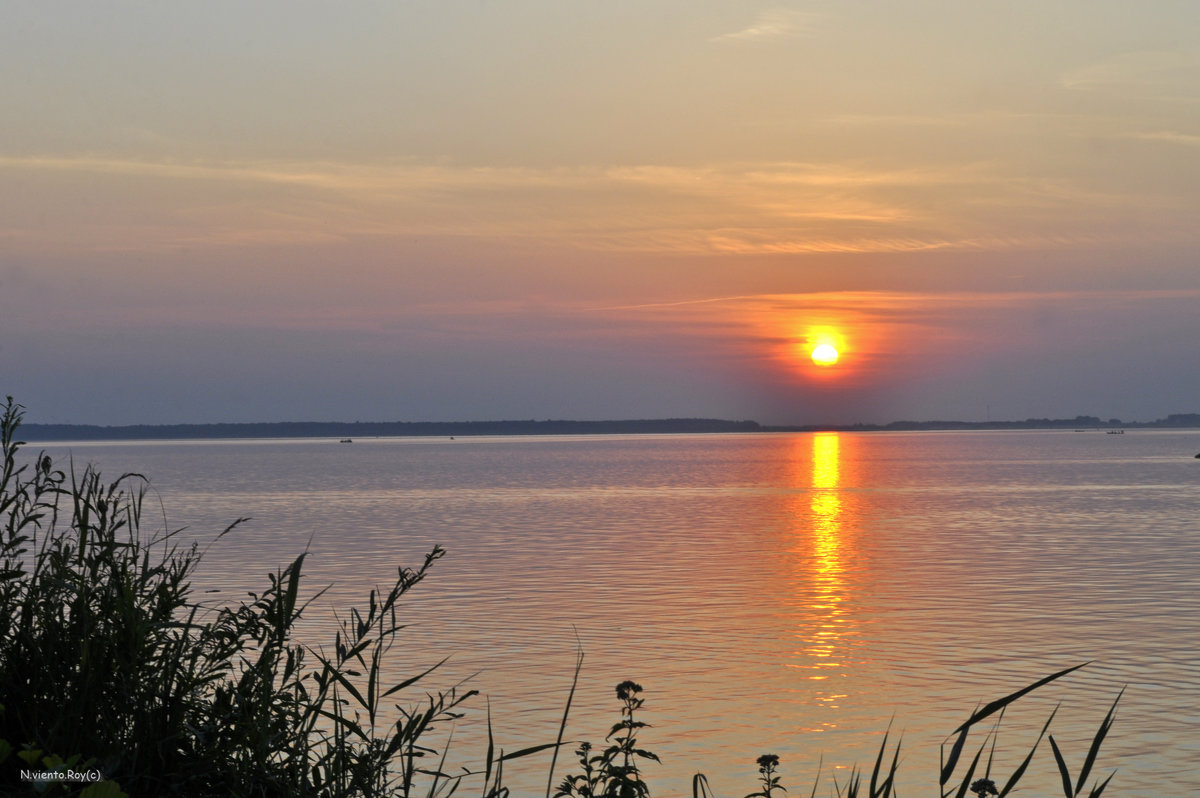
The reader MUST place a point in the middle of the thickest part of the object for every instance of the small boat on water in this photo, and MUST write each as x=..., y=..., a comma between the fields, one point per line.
x=1115, y=431
x=346, y=440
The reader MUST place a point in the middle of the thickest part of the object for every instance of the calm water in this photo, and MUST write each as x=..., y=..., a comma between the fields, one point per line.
x=790, y=594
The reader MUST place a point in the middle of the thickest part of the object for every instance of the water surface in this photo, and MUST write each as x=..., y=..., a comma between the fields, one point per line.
x=791, y=594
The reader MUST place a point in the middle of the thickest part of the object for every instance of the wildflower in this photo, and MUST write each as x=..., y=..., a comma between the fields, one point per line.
x=766, y=774
x=984, y=787
x=627, y=689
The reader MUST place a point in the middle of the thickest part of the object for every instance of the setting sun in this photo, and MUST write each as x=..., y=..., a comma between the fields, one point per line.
x=824, y=355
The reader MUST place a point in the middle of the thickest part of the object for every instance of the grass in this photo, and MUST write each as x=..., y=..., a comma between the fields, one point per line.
x=108, y=665
x=115, y=681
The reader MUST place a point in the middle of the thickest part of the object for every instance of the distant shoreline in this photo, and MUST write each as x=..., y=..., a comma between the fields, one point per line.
x=373, y=429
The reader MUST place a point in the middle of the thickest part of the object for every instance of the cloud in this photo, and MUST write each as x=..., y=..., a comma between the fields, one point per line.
x=1169, y=136
x=775, y=23
x=770, y=207
x=901, y=333
x=1161, y=75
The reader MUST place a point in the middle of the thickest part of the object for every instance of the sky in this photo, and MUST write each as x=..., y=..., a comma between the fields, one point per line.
x=567, y=209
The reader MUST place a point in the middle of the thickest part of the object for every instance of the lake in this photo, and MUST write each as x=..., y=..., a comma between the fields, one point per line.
x=774, y=593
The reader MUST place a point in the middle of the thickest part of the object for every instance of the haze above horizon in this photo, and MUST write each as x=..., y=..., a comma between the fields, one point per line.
x=221, y=213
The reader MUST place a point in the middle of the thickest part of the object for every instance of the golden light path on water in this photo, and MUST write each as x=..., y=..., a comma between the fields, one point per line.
x=826, y=541
x=822, y=544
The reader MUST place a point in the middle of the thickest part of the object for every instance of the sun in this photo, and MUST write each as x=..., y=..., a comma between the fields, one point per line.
x=824, y=355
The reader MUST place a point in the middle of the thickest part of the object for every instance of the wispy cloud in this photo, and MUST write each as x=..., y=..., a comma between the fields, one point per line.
x=722, y=208
x=774, y=23
x=887, y=328
x=1162, y=75
x=1169, y=136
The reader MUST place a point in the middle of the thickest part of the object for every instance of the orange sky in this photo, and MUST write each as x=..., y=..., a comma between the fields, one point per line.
x=536, y=209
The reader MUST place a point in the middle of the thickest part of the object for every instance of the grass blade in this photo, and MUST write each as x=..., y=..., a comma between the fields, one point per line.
x=414, y=679
x=1020, y=771
x=1097, y=791
x=435, y=783
x=491, y=750
x=1101, y=733
x=562, y=726
x=873, y=789
x=1001, y=703
x=1062, y=768
x=966, y=782
x=955, y=752
x=533, y=749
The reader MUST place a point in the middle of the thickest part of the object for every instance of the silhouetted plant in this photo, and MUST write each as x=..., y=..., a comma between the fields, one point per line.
x=107, y=662
x=949, y=762
x=613, y=773
x=767, y=763
x=983, y=788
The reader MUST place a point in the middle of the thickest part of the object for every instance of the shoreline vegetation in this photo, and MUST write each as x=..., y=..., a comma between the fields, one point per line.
x=373, y=429
x=117, y=682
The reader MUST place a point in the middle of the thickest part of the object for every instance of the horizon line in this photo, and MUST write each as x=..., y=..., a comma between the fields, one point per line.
x=666, y=425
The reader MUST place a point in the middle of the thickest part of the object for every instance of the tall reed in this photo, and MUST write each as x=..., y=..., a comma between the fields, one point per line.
x=108, y=665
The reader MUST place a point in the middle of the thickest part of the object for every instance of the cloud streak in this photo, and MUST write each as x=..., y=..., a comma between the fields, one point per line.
x=774, y=23
x=717, y=209
x=1170, y=75
x=1170, y=137
x=895, y=335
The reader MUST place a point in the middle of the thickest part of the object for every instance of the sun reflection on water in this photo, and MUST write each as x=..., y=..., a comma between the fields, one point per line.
x=824, y=552
x=827, y=509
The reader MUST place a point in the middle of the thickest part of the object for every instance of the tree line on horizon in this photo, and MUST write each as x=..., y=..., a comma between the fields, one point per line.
x=371, y=429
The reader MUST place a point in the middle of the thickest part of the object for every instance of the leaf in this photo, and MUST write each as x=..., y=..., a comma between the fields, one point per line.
x=878, y=763
x=962, y=790
x=562, y=726
x=412, y=680
x=344, y=682
x=1000, y=703
x=1101, y=733
x=955, y=753
x=31, y=755
x=533, y=749
x=348, y=725
x=103, y=789
x=1062, y=768
x=1020, y=771
x=491, y=748
x=1097, y=791
x=817, y=778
